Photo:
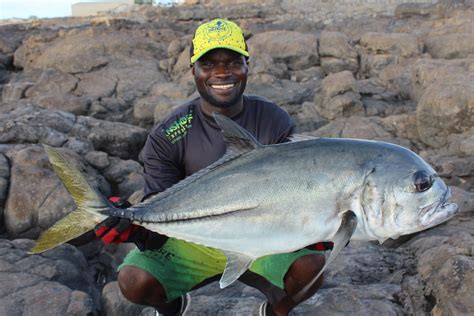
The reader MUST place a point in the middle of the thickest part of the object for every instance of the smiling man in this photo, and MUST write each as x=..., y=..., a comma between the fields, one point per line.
x=165, y=269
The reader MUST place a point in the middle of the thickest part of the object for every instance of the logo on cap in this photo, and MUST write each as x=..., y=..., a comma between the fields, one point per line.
x=218, y=31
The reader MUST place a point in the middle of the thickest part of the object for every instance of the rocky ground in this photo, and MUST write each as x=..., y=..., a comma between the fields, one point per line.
x=401, y=72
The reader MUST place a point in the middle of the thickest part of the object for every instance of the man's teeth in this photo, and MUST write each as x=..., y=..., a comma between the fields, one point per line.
x=222, y=86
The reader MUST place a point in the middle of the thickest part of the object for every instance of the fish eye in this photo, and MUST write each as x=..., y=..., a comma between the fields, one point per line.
x=422, y=181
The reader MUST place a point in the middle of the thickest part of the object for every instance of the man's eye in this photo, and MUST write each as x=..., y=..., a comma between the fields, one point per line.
x=206, y=64
x=422, y=181
x=236, y=63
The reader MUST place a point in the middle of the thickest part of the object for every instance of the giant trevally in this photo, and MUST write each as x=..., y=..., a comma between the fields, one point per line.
x=260, y=200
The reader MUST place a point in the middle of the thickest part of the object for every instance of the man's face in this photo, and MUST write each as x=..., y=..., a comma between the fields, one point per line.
x=221, y=77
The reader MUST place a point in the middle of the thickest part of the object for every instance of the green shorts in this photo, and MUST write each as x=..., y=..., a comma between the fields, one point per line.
x=179, y=265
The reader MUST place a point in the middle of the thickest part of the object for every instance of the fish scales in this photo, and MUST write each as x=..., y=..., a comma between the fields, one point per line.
x=258, y=186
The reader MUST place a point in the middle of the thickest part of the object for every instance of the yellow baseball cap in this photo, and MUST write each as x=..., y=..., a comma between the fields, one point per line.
x=218, y=33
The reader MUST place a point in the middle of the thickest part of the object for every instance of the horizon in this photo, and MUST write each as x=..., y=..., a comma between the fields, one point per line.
x=25, y=9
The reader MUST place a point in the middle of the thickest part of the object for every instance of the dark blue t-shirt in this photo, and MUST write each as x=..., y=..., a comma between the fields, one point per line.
x=189, y=140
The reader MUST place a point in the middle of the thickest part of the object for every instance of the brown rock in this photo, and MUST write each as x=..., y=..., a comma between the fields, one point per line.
x=163, y=107
x=281, y=92
x=96, y=84
x=451, y=46
x=67, y=103
x=136, y=78
x=448, y=270
x=445, y=108
x=397, y=78
x=52, y=82
x=54, y=283
x=379, y=50
x=427, y=71
x=336, y=53
x=15, y=91
x=182, y=63
x=98, y=159
x=339, y=96
x=144, y=109
x=463, y=198
x=116, y=304
x=402, y=125
x=4, y=181
x=170, y=90
x=116, y=139
x=298, y=50
x=33, y=125
x=399, y=44
x=125, y=175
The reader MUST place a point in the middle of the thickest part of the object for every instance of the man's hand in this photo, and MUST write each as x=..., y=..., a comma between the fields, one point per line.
x=115, y=230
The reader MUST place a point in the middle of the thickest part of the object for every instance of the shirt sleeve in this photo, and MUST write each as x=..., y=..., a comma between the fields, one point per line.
x=283, y=127
x=161, y=164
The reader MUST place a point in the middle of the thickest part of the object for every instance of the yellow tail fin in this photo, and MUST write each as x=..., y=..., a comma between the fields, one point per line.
x=88, y=201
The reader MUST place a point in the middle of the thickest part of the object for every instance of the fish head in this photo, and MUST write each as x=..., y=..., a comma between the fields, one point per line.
x=403, y=194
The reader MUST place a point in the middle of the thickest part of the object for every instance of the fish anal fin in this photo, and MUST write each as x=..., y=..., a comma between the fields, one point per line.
x=340, y=240
x=236, y=265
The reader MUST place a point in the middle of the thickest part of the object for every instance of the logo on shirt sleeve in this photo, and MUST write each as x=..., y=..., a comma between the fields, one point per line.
x=179, y=128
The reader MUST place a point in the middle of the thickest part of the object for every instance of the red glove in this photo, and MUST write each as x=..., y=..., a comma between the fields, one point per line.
x=115, y=230
x=322, y=246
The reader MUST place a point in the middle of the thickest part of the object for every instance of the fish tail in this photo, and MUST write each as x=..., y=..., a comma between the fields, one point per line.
x=91, y=209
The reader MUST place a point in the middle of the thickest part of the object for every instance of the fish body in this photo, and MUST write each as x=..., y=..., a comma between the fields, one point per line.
x=261, y=200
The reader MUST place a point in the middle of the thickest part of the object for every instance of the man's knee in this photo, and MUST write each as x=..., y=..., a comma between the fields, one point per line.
x=303, y=271
x=139, y=287
x=309, y=265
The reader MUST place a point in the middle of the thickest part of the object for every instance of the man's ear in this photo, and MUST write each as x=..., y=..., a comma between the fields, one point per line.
x=192, y=68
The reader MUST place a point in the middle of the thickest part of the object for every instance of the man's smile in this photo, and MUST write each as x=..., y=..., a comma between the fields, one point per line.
x=223, y=86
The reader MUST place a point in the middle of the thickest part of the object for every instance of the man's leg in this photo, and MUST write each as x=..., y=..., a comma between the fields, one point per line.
x=300, y=272
x=160, y=277
x=142, y=288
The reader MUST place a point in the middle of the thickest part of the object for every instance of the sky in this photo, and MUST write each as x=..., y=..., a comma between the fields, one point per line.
x=39, y=8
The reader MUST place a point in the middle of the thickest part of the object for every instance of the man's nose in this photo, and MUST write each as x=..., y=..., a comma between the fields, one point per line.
x=221, y=70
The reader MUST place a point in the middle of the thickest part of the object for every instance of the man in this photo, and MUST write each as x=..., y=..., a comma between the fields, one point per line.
x=187, y=141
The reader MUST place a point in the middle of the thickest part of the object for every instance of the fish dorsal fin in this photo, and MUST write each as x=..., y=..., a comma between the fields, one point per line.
x=301, y=137
x=236, y=265
x=235, y=136
x=341, y=238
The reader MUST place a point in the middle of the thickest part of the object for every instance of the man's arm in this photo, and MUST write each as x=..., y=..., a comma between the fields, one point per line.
x=161, y=171
x=282, y=127
x=161, y=161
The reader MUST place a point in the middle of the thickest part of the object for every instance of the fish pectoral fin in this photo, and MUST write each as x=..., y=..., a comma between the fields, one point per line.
x=340, y=240
x=236, y=265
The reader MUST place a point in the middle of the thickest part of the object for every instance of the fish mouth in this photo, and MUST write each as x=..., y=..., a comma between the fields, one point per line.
x=438, y=212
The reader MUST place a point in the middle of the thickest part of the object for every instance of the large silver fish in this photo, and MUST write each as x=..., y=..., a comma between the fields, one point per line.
x=260, y=200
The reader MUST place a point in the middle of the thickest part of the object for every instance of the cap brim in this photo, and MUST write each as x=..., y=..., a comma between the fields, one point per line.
x=235, y=49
